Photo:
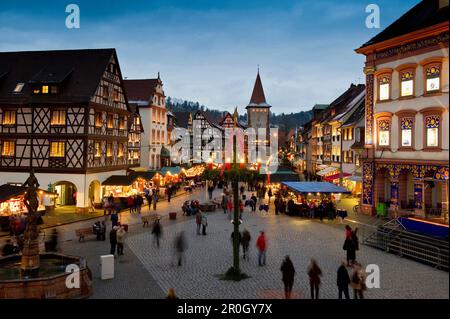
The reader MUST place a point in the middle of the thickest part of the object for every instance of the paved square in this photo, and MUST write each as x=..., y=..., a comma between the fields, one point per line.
x=208, y=256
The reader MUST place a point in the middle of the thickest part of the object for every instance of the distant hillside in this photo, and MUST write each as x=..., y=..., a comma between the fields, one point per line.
x=284, y=121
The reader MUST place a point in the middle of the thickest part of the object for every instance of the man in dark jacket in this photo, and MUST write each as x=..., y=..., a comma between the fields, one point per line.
x=343, y=280
x=113, y=240
x=288, y=271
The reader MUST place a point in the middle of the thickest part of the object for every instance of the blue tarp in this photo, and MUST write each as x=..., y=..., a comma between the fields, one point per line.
x=424, y=227
x=315, y=187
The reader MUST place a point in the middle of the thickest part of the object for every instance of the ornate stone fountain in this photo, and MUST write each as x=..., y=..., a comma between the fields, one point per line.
x=32, y=275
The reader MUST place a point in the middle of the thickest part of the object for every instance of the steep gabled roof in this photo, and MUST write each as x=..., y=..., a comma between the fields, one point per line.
x=425, y=14
x=357, y=115
x=343, y=100
x=77, y=71
x=140, y=90
x=182, y=119
x=258, y=98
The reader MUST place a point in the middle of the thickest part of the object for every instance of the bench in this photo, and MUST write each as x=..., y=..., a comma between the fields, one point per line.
x=82, y=232
x=147, y=219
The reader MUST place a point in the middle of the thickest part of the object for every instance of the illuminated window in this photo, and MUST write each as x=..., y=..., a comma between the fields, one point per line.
x=383, y=132
x=57, y=149
x=45, y=89
x=54, y=89
x=97, y=149
x=98, y=119
x=432, y=124
x=105, y=92
x=19, y=87
x=36, y=91
x=120, y=151
x=121, y=123
x=116, y=95
x=8, y=148
x=137, y=120
x=384, y=84
x=109, y=150
x=433, y=79
x=407, y=83
x=9, y=117
x=58, y=117
x=110, y=121
x=406, y=125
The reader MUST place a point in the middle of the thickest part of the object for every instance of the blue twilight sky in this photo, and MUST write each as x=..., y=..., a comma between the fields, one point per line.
x=209, y=50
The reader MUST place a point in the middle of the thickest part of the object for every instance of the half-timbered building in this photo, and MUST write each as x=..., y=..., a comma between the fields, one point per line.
x=65, y=115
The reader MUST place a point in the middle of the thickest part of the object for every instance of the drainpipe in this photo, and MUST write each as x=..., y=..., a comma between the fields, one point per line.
x=341, y=173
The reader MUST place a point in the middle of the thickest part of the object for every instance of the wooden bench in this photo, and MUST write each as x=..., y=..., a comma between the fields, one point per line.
x=147, y=219
x=82, y=232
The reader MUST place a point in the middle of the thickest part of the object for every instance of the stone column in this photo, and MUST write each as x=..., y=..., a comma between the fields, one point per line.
x=419, y=198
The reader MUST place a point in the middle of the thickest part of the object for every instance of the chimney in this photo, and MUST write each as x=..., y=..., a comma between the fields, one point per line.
x=443, y=3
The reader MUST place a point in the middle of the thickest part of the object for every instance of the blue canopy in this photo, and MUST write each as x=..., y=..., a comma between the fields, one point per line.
x=315, y=187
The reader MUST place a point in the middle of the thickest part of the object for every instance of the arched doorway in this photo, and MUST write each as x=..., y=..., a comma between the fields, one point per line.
x=66, y=193
x=95, y=192
x=382, y=186
x=406, y=190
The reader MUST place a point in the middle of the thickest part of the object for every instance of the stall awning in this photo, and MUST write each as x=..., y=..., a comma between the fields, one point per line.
x=315, y=187
x=8, y=191
x=282, y=176
x=354, y=178
x=119, y=180
x=172, y=170
x=327, y=170
x=331, y=178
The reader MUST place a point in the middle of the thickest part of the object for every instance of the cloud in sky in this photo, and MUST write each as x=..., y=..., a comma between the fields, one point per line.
x=208, y=51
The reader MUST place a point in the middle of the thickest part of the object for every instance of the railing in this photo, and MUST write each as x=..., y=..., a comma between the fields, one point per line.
x=393, y=238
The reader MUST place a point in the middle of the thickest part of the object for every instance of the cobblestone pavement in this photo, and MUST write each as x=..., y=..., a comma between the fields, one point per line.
x=211, y=255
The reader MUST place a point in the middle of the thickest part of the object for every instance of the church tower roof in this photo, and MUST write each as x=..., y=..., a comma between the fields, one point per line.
x=258, y=98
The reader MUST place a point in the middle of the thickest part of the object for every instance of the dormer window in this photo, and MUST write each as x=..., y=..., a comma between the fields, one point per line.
x=45, y=89
x=19, y=87
x=54, y=89
x=36, y=91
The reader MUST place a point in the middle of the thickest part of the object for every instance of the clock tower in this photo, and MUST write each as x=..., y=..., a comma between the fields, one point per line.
x=258, y=111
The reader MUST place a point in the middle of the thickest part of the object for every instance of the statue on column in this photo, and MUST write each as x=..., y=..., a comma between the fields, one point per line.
x=30, y=253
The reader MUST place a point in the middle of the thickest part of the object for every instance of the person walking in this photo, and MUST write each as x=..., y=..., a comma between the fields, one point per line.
x=198, y=221
x=120, y=234
x=230, y=207
x=149, y=199
x=349, y=246
x=204, y=222
x=169, y=193
x=157, y=231
x=180, y=247
x=245, y=242
x=314, y=273
x=269, y=194
x=276, y=203
x=358, y=282
x=113, y=240
x=139, y=200
x=254, y=200
x=343, y=280
x=130, y=203
x=224, y=203
x=154, y=198
x=210, y=190
x=114, y=219
x=288, y=272
x=261, y=244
